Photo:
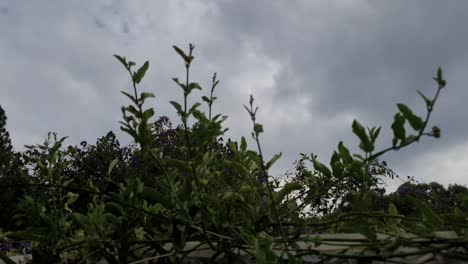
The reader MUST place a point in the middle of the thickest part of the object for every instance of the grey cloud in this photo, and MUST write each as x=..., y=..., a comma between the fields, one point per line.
x=362, y=57
x=312, y=66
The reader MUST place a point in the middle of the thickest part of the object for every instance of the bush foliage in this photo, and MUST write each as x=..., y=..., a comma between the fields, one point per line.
x=186, y=183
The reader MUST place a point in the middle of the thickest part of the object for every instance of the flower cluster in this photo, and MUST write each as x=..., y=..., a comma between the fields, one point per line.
x=381, y=191
x=405, y=190
x=10, y=246
x=165, y=135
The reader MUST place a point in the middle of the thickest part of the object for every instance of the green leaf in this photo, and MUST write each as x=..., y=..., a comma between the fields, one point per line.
x=133, y=110
x=243, y=145
x=428, y=217
x=148, y=113
x=336, y=164
x=335, y=158
x=255, y=157
x=389, y=249
x=18, y=216
x=232, y=146
x=199, y=116
x=287, y=189
x=81, y=219
x=155, y=208
x=235, y=165
x=177, y=106
x=443, y=83
x=258, y=128
x=374, y=135
x=117, y=207
x=439, y=73
x=181, y=53
x=263, y=249
x=122, y=60
x=192, y=86
x=440, y=78
x=131, y=97
x=71, y=198
x=183, y=166
x=427, y=100
x=398, y=127
x=365, y=145
x=140, y=73
x=31, y=234
x=111, y=166
x=436, y=131
x=180, y=84
x=144, y=96
x=392, y=210
x=125, y=125
x=228, y=196
x=356, y=169
x=153, y=195
x=344, y=153
x=272, y=161
x=248, y=110
x=67, y=182
x=414, y=120
x=143, y=133
x=130, y=131
x=206, y=99
x=194, y=107
x=411, y=138
x=367, y=231
x=321, y=168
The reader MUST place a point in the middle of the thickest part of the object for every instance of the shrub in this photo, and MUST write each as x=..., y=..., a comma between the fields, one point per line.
x=174, y=185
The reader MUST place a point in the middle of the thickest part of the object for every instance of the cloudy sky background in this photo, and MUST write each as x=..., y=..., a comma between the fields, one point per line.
x=313, y=66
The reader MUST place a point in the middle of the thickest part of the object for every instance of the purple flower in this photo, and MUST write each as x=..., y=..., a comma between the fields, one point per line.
x=381, y=191
x=133, y=162
x=420, y=192
x=6, y=247
x=27, y=247
x=301, y=191
x=263, y=178
x=402, y=190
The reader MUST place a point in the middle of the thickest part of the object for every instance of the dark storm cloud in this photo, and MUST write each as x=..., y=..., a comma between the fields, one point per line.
x=363, y=57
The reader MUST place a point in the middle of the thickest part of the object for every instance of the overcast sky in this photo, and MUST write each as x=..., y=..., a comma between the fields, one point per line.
x=312, y=66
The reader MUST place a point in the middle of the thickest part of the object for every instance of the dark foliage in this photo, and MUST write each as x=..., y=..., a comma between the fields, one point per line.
x=12, y=172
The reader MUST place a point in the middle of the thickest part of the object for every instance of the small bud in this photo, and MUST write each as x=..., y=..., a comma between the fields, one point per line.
x=436, y=132
x=258, y=128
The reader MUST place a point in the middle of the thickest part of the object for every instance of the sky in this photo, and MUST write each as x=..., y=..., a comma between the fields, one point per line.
x=312, y=67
